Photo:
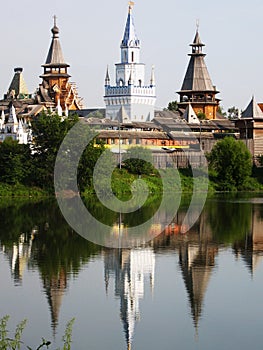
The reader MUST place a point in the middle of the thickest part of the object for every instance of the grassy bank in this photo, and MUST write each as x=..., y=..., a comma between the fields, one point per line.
x=22, y=191
x=122, y=182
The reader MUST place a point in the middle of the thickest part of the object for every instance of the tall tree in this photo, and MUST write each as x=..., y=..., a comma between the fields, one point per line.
x=15, y=162
x=232, y=162
x=48, y=132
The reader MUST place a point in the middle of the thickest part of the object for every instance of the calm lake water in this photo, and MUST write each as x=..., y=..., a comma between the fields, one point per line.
x=197, y=290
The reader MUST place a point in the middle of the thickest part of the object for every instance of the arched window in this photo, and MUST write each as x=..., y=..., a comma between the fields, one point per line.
x=140, y=83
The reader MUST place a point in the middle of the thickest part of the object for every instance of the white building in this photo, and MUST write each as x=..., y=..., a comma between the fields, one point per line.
x=130, y=99
x=10, y=126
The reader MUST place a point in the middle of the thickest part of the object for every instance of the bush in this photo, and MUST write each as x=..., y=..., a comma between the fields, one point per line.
x=232, y=163
x=140, y=161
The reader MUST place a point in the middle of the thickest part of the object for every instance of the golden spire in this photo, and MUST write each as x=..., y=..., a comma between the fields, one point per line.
x=131, y=5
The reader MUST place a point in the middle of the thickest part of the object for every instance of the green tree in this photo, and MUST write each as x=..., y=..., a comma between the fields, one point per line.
x=172, y=106
x=87, y=163
x=48, y=132
x=201, y=116
x=232, y=162
x=15, y=162
x=140, y=161
x=221, y=111
x=232, y=112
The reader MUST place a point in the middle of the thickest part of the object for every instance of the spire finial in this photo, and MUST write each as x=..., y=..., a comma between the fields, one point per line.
x=55, y=20
x=197, y=24
x=55, y=30
x=131, y=5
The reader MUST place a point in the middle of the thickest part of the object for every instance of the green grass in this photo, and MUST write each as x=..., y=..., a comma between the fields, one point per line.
x=122, y=182
x=19, y=190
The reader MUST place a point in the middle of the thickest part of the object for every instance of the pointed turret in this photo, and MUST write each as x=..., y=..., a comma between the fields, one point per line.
x=130, y=38
x=197, y=77
x=12, y=115
x=12, y=123
x=56, y=83
x=107, y=78
x=130, y=44
x=197, y=87
x=55, y=68
x=17, y=88
x=21, y=134
x=55, y=56
x=252, y=111
x=59, y=109
x=130, y=90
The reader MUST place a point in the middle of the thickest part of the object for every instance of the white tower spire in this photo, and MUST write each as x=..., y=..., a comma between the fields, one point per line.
x=130, y=92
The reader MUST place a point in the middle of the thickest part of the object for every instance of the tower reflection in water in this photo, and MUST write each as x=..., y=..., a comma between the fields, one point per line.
x=129, y=269
x=57, y=253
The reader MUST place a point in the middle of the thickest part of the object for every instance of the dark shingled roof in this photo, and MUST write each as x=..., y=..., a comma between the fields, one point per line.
x=252, y=111
x=197, y=77
x=55, y=56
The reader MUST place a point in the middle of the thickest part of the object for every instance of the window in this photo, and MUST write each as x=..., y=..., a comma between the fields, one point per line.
x=132, y=56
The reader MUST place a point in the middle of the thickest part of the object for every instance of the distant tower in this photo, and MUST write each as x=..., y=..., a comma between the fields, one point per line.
x=55, y=86
x=197, y=87
x=17, y=88
x=130, y=97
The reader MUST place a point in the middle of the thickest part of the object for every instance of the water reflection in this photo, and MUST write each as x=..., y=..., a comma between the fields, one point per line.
x=129, y=269
x=19, y=254
x=35, y=237
x=47, y=244
x=250, y=247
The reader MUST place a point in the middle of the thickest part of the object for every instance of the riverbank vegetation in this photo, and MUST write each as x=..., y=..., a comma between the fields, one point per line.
x=15, y=342
x=28, y=170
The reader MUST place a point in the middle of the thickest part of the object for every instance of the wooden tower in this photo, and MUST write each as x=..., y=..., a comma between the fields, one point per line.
x=197, y=87
x=56, y=88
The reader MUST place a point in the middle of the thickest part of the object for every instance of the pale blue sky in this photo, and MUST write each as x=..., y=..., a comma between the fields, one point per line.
x=91, y=31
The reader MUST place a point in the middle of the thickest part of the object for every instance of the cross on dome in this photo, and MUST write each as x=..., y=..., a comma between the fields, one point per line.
x=55, y=20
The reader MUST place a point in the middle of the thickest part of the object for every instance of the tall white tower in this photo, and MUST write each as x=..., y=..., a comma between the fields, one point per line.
x=130, y=99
